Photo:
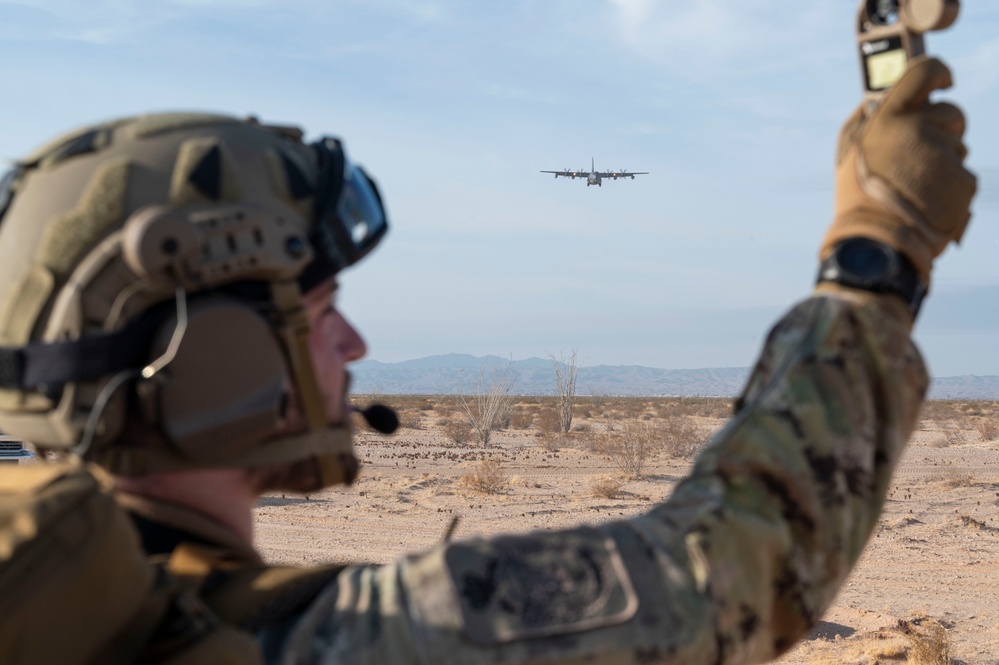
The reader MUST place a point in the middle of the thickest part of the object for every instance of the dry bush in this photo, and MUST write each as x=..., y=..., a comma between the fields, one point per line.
x=988, y=429
x=458, y=431
x=703, y=407
x=930, y=645
x=546, y=422
x=521, y=418
x=635, y=442
x=488, y=407
x=918, y=641
x=552, y=441
x=954, y=436
x=631, y=447
x=588, y=441
x=680, y=436
x=487, y=477
x=504, y=416
x=565, y=366
x=607, y=486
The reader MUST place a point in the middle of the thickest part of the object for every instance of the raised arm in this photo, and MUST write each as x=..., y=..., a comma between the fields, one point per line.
x=751, y=548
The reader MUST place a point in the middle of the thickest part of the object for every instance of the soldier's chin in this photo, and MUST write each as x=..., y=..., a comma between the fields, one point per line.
x=299, y=477
x=308, y=475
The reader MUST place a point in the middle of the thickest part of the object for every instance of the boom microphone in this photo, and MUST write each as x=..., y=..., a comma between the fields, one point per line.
x=381, y=418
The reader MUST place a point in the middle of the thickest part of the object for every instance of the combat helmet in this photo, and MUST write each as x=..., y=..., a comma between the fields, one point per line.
x=151, y=280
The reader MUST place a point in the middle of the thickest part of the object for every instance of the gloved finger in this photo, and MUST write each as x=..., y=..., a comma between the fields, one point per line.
x=946, y=117
x=956, y=146
x=961, y=150
x=913, y=90
x=957, y=207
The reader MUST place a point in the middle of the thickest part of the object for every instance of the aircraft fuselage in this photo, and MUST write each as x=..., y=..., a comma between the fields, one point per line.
x=595, y=177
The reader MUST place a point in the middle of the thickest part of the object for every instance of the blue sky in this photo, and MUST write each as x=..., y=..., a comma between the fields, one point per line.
x=454, y=107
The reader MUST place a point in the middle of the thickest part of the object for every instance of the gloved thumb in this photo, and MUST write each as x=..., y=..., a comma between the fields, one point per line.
x=913, y=90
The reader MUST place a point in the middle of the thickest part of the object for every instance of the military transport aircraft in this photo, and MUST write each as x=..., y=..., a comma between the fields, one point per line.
x=593, y=176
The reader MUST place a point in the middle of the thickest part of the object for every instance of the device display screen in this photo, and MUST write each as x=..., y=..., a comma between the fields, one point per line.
x=885, y=61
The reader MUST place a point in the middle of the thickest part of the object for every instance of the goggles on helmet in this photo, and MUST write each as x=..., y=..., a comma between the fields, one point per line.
x=349, y=217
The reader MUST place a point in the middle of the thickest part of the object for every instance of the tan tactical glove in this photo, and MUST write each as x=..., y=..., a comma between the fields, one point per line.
x=900, y=178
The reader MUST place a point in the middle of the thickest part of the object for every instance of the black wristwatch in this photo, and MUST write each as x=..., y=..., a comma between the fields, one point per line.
x=862, y=263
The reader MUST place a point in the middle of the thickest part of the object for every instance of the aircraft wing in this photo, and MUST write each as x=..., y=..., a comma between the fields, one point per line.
x=568, y=174
x=621, y=174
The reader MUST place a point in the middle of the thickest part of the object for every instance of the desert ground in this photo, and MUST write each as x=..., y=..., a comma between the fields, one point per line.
x=925, y=591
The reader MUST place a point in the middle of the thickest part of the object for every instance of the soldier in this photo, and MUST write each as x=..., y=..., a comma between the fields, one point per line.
x=166, y=290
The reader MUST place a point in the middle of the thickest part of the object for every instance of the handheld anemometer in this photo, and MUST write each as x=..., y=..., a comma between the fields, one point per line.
x=890, y=33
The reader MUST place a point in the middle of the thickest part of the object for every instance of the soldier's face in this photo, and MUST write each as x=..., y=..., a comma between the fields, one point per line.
x=334, y=343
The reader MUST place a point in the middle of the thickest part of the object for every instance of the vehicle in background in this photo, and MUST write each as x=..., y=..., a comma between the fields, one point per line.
x=12, y=450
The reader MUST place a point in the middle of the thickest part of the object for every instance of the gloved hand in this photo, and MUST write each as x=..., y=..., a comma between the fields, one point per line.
x=900, y=177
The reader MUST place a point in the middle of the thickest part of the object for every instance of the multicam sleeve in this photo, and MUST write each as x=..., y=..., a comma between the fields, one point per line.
x=735, y=566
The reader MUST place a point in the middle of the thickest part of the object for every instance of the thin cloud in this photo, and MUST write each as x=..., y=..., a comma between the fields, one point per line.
x=976, y=73
x=109, y=22
x=701, y=38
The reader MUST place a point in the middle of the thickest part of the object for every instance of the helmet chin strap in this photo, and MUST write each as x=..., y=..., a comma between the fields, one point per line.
x=294, y=331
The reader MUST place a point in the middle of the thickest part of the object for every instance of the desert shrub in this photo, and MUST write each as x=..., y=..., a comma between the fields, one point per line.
x=680, y=436
x=487, y=477
x=631, y=447
x=488, y=407
x=504, y=415
x=566, y=367
x=954, y=436
x=606, y=486
x=582, y=427
x=930, y=644
x=587, y=440
x=547, y=422
x=521, y=418
x=458, y=431
x=633, y=443
x=552, y=442
x=988, y=428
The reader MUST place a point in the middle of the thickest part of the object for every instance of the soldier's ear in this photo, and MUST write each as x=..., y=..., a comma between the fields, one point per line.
x=225, y=391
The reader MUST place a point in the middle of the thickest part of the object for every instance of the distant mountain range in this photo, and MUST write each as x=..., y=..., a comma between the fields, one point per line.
x=451, y=373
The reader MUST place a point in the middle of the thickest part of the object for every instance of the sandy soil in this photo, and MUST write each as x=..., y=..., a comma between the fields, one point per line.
x=934, y=558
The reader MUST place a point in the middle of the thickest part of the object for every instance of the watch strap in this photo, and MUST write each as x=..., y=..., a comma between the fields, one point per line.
x=903, y=280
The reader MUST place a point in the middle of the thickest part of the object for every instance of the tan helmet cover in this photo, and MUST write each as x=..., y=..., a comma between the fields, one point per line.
x=167, y=211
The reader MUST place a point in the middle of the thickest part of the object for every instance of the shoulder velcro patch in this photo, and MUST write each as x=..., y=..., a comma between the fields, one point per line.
x=542, y=585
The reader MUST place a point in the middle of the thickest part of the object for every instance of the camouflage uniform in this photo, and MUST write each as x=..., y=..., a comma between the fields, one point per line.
x=738, y=564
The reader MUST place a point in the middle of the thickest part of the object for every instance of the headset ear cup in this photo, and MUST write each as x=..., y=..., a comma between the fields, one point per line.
x=222, y=393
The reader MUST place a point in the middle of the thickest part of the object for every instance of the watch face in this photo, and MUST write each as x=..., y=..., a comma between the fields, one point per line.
x=863, y=260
